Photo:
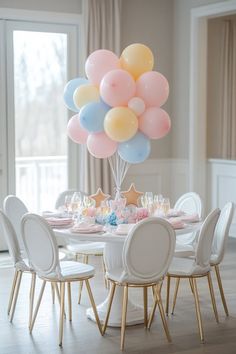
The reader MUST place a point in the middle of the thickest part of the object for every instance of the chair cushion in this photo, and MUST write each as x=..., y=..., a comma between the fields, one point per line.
x=72, y=270
x=23, y=265
x=183, y=250
x=186, y=267
x=119, y=275
x=87, y=248
x=214, y=259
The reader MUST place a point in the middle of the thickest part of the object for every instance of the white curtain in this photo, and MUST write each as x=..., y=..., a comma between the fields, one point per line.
x=102, y=31
x=228, y=90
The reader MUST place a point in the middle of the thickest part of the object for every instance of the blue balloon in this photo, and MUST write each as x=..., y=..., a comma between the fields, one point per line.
x=135, y=150
x=69, y=90
x=92, y=116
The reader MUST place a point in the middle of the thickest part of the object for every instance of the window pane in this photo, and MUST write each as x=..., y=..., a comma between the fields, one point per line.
x=40, y=74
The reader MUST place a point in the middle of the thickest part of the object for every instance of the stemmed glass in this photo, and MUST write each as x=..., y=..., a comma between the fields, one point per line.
x=67, y=203
x=165, y=206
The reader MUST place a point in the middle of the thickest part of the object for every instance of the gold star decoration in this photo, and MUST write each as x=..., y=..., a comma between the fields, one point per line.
x=132, y=195
x=99, y=196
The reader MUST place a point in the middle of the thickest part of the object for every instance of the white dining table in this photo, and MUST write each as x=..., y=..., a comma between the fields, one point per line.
x=113, y=259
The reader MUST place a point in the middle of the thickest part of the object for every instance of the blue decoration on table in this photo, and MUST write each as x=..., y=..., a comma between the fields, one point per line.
x=112, y=219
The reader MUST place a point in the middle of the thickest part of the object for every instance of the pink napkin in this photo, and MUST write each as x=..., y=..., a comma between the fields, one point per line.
x=86, y=228
x=174, y=213
x=176, y=223
x=190, y=218
x=59, y=222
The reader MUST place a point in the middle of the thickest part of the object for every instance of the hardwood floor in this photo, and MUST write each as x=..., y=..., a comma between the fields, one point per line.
x=82, y=336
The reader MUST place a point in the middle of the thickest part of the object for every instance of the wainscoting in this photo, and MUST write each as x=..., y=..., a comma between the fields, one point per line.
x=169, y=177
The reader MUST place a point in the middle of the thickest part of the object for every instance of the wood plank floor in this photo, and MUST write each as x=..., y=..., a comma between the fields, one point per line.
x=81, y=336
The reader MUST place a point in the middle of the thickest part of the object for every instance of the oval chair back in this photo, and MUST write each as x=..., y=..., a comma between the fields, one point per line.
x=40, y=245
x=191, y=203
x=14, y=208
x=206, y=234
x=10, y=237
x=222, y=232
x=148, y=251
x=61, y=197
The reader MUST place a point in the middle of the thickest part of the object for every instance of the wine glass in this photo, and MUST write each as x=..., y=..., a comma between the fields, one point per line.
x=67, y=203
x=144, y=201
x=165, y=206
x=76, y=201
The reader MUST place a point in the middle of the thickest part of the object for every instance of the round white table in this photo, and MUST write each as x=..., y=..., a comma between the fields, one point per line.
x=113, y=258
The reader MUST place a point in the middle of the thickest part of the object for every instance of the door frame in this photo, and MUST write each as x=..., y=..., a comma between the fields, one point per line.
x=198, y=92
x=74, y=70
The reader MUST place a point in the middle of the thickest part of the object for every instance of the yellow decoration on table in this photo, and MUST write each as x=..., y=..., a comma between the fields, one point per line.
x=99, y=196
x=132, y=195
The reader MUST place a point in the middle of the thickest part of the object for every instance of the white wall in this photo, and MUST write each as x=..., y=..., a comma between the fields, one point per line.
x=68, y=6
x=181, y=66
x=150, y=22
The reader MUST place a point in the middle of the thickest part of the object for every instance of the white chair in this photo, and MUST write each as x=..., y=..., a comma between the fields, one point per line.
x=81, y=249
x=41, y=247
x=196, y=267
x=219, y=245
x=14, y=208
x=21, y=266
x=190, y=203
x=147, y=253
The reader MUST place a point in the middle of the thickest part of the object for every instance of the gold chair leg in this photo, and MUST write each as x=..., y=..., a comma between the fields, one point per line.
x=213, y=300
x=37, y=306
x=93, y=306
x=85, y=260
x=62, y=304
x=162, y=313
x=123, y=320
x=191, y=284
x=104, y=274
x=111, y=296
x=69, y=300
x=153, y=308
x=175, y=294
x=145, y=306
x=217, y=270
x=168, y=294
x=198, y=312
x=32, y=291
x=53, y=293
x=16, y=295
x=12, y=291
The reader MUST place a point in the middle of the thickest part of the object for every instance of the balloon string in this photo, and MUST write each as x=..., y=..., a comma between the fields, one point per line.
x=119, y=170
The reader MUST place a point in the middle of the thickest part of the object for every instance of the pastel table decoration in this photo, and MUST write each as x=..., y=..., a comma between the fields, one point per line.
x=99, y=197
x=132, y=195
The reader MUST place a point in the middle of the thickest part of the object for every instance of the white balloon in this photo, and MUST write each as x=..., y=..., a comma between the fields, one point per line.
x=137, y=105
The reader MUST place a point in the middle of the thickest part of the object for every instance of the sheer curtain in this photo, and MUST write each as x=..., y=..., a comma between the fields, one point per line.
x=228, y=90
x=102, y=31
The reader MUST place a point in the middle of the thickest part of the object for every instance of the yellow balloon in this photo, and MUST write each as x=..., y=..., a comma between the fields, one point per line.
x=120, y=124
x=137, y=59
x=85, y=94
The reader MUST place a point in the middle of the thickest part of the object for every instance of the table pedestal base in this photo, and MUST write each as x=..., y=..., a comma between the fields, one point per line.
x=135, y=313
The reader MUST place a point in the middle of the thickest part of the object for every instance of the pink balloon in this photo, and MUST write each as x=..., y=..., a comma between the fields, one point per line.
x=155, y=123
x=99, y=63
x=153, y=88
x=117, y=87
x=101, y=146
x=137, y=105
x=75, y=131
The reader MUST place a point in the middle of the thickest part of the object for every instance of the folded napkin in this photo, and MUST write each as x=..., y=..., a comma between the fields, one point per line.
x=190, y=218
x=54, y=213
x=124, y=229
x=176, y=223
x=87, y=228
x=60, y=222
x=173, y=213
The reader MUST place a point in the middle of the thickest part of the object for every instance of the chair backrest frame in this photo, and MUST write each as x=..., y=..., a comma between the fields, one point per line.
x=222, y=232
x=148, y=250
x=191, y=203
x=40, y=245
x=14, y=208
x=205, y=239
x=11, y=238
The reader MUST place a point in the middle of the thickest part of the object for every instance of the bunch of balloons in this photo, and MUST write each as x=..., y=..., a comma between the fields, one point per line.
x=118, y=106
